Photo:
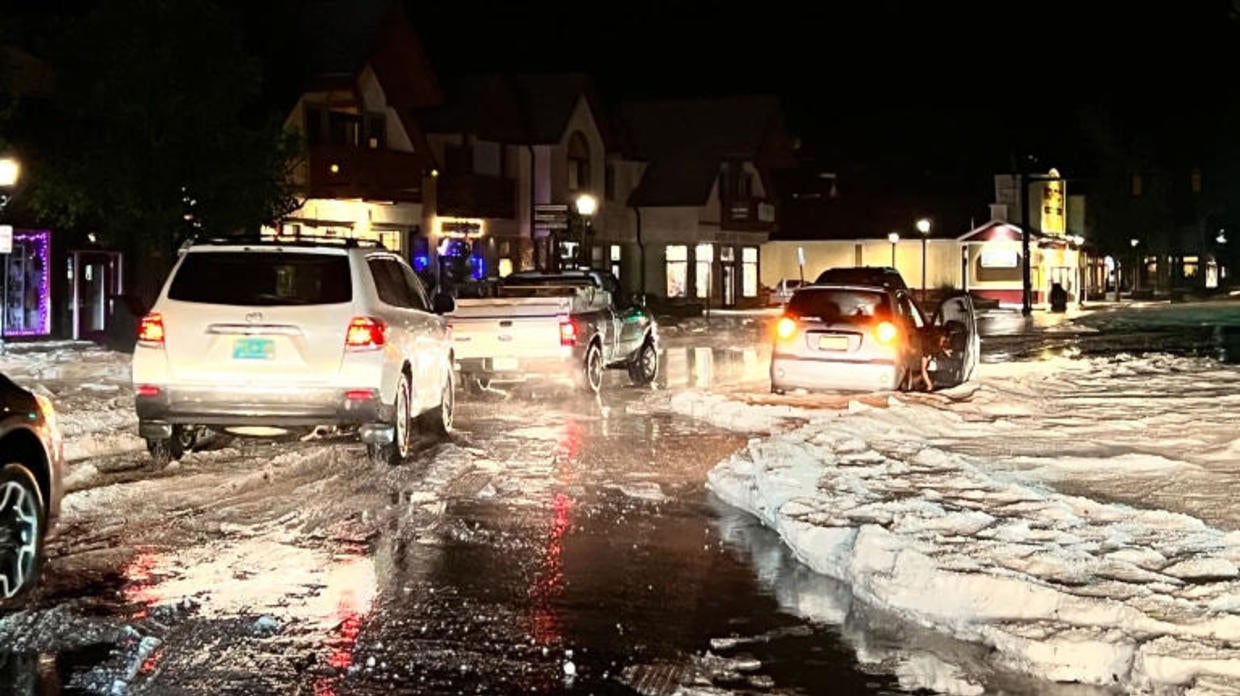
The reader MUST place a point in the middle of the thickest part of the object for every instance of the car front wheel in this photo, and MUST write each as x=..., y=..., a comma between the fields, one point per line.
x=22, y=525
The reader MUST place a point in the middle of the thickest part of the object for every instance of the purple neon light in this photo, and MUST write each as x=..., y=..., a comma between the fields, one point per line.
x=41, y=241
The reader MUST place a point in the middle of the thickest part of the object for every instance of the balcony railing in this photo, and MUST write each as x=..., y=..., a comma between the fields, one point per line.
x=341, y=171
x=753, y=214
x=475, y=196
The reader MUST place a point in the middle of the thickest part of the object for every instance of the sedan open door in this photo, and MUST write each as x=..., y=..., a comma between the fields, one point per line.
x=956, y=319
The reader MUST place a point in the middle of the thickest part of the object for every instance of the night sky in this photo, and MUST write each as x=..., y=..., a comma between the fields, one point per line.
x=919, y=91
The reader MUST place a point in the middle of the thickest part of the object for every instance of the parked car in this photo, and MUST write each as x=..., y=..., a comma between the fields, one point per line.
x=251, y=336
x=883, y=276
x=869, y=337
x=783, y=290
x=568, y=324
x=30, y=484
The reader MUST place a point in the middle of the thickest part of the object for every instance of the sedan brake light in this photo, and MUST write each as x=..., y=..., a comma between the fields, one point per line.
x=886, y=332
x=366, y=333
x=151, y=331
x=786, y=328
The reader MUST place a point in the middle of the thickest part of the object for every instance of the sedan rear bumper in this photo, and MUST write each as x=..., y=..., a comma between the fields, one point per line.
x=788, y=373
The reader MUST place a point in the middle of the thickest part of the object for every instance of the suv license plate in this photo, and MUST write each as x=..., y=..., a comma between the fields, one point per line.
x=254, y=349
x=504, y=364
x=832, y=343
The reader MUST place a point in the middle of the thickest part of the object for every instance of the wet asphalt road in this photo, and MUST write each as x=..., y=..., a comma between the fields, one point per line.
x=556, y=544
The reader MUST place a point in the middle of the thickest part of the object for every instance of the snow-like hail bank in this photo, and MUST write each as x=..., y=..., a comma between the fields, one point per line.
x=1060, y=587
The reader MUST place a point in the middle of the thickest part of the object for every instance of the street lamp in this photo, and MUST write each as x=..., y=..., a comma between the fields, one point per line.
x=894, y=238
x=923, y=226
x=1136, y=265
x=10, y=170
x=1025, y=177
x=587, y=205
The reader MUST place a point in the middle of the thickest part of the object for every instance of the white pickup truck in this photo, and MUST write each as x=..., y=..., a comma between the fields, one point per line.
x=569, y=324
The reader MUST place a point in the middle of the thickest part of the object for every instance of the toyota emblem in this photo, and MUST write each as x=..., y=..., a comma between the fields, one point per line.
x=254, y=317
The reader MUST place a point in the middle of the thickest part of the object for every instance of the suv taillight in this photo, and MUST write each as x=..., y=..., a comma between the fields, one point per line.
x=151, y=331
x=365, y=333
x=568, y=332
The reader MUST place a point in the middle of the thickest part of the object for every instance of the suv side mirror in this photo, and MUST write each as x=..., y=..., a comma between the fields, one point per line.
x=638, y=300
x=443, y=303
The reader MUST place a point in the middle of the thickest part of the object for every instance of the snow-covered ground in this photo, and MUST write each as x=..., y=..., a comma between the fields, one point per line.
x=1077, y=516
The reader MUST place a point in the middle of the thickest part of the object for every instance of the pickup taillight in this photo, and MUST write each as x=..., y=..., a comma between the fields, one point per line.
x=568, y=332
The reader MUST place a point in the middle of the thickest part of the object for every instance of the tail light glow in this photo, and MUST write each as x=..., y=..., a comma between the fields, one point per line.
x=786, y=328
x=366, y=333
x=886, y=332
x=151, y=331
x=147, y=390
x=360, y=394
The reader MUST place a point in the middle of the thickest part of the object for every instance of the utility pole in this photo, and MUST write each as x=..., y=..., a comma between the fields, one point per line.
x=1026, y=296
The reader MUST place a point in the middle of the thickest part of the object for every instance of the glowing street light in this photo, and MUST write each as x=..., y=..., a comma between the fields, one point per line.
x=10, y=171
x=586, y=205
x=894, y=238
x=923, y=226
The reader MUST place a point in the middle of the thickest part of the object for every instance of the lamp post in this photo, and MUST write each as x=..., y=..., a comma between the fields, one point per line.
x=1136, y=265
x=10, y=172
x=923, y=226
x=894, y=238
x=587, y=205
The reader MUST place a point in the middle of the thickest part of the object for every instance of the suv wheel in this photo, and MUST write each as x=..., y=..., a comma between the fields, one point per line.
x=164, y=452
x=22, y=525
x=439, y=420
x=402, y=436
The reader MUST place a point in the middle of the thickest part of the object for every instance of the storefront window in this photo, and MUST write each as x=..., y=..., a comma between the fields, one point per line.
x=28, y=284
x=677, y=270
x=749, y=272
x=704, y=256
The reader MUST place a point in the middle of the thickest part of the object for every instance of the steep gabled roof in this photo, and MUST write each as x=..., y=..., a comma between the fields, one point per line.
x=527, y=109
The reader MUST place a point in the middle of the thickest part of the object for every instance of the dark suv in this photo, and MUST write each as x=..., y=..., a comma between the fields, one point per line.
x=880, y=276
x=31, y=466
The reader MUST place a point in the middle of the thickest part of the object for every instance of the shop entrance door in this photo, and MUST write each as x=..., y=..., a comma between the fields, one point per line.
x=97, y=286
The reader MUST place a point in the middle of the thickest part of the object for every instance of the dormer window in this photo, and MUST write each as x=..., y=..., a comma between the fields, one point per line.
x=578, y=163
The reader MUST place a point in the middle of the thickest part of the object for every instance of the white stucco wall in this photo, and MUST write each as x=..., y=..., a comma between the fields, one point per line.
x=779, y=259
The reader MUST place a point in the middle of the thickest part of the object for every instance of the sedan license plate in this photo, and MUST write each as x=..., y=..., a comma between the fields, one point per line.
x=504, y=364
x=254, y=349
x=832, y=343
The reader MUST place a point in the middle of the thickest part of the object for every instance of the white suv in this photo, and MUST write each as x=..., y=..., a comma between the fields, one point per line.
x=254, y=336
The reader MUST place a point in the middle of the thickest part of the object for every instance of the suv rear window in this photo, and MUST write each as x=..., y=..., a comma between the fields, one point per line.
x=850, y=306
x=262, y=279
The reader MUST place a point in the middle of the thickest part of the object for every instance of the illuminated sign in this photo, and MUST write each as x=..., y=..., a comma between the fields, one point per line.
x=1053, y=202
x=468, y=228
x=1000, y=258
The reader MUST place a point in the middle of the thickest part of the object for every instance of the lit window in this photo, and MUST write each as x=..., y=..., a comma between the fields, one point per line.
x=704, y=255
x=505, y=268
x=677, y=270
x=749, y=272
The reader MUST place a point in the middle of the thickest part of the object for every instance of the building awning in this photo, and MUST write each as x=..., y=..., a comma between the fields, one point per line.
x=1000, y=231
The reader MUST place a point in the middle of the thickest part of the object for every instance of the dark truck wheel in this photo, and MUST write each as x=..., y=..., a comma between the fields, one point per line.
x=645, y=365
x=591, y=379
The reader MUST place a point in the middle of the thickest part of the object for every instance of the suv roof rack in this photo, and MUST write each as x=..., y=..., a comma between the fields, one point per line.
x=305, y=240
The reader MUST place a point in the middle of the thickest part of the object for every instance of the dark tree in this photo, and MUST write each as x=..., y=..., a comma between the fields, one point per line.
x=154, y=129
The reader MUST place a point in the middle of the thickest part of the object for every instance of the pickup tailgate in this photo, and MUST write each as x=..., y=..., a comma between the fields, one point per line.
x=508, y=328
